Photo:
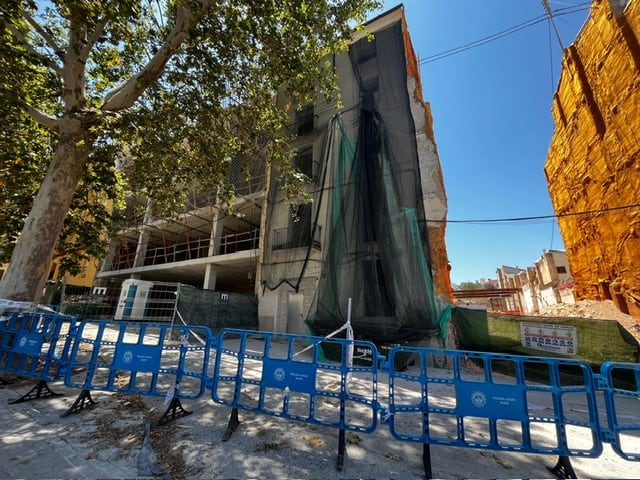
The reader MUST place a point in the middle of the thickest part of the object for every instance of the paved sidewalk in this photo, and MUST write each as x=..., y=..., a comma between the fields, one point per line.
x=105, y=441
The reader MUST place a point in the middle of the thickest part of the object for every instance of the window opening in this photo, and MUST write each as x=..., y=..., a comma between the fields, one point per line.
x=304, y=120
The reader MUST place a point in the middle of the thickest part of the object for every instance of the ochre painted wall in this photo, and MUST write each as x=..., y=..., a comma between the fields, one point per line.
x=593, y=164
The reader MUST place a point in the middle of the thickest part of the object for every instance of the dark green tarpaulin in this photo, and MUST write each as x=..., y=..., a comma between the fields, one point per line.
x=216, y=310
x=598, y=341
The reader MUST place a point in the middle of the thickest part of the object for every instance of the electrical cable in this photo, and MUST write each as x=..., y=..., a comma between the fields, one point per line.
x=553, y=224
x=521, y=26
x=540, y=217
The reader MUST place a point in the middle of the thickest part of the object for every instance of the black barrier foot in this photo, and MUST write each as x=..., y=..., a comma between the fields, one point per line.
x=563, y=468
x=174, y=411
x=426, y=460
x=341, y=449
x=40, y=390
x=83, y=401
x=233, y=424
x=4, y=382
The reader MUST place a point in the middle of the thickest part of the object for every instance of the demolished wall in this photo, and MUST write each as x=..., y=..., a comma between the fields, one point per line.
x=435, y=197
x=593, y=164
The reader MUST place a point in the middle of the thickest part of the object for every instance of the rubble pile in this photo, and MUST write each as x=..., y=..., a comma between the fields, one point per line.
x=604, y=310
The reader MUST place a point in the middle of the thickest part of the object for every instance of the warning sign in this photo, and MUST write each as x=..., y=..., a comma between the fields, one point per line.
x=561, y=339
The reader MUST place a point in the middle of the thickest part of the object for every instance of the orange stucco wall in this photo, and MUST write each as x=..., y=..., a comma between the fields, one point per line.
x=593, y=164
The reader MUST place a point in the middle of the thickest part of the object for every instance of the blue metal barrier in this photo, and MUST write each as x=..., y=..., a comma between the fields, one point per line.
x=495, y=402
x=140, y=359
x=446, y=397
x=622, y=397
x=35, y=345
x=288, y=376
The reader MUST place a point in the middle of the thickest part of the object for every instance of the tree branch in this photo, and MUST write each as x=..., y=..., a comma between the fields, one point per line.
x=86, y=50
x=46, y=61
x=42, y=118
x=125, y=94
x=45, y=36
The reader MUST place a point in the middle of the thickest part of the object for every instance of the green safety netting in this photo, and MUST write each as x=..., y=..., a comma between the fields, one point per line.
x=365, y=231
x=376, y=256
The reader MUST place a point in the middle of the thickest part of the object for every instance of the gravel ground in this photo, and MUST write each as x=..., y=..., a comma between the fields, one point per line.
x=106, y=441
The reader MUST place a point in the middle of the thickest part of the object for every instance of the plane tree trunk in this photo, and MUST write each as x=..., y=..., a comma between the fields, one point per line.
x=28, y=270
x=29, y=266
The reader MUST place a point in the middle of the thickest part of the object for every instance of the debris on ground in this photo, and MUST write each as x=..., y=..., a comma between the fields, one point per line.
x=600, y=309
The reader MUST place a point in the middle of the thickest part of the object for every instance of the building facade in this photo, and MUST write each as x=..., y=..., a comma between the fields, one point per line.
x=290, y=255
x=547, y=282
x=593, y=164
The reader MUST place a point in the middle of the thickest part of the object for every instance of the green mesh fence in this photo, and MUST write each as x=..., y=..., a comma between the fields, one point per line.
x=597, y=341
x=215, y=309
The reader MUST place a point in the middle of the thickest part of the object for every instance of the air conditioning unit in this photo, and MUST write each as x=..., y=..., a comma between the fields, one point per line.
x=133, y=299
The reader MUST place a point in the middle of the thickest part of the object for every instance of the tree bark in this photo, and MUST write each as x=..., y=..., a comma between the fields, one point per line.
x=29, y=267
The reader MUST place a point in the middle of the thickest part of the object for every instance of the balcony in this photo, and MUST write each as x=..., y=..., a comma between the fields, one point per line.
x=192, y=250
x=177, y=252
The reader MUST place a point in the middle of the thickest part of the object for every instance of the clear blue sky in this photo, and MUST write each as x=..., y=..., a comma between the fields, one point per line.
x=491, y=108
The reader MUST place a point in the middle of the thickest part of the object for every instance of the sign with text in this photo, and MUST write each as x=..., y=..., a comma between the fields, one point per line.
x=296, y=376
x=139, y=358
x=489, y=400
x=562, y=339
x=29, y=343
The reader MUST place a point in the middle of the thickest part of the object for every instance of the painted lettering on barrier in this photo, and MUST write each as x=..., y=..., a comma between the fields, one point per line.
x=40, y=336
x=296, y=376
x=29, y=343
x=139, y=358
x=488, y=400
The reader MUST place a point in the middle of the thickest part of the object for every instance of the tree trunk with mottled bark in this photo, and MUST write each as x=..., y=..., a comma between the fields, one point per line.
x=29, y=267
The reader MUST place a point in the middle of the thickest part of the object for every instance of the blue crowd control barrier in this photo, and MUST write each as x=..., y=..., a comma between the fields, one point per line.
x=141, y=359
x=289, y=376
x=35, y=345
x=622, y=399
x=496, y=402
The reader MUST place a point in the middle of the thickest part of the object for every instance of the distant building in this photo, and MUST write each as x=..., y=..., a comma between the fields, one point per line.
x=546, y=283
x=508, y=276
x=83, y=279
x=592, y=167
x=552, y=272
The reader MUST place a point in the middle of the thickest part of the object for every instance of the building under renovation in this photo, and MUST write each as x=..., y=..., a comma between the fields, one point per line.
x=361, y=250
x=593, y=165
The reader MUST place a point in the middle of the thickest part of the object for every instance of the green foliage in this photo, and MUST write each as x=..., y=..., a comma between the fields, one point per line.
x=471, y=286
x=26, y=150
x=213, y=103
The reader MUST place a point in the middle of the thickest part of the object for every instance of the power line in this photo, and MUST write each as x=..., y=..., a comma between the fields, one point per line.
x=540, y=217
x=521, y=26
x=547, y=8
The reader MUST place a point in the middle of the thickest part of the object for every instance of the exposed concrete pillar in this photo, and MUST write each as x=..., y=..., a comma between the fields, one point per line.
x=216, y=235
x=107, y=261
x=210, y=276
x=143, y=239
x=210, y=273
